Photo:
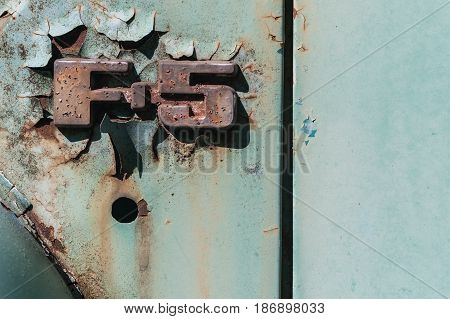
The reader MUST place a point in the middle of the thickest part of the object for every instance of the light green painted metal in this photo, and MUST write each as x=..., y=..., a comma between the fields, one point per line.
x=371, y=216
x=212, y=229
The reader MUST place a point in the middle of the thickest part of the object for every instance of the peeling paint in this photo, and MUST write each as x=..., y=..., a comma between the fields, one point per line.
x=127, y=25
x=206, y=51
x=66, y=23
x=97, y=45
x=40, y=51
x=178, y=47
x=70, y=176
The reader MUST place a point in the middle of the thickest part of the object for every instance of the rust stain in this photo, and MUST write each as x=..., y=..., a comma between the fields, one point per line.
x=105, y=251
x=271, y=229
x=305, y=22
x=53, y=246
x=272, y=36
x=71, y=48
x=47, y=234
x=46, y=130
x=250, y=96
x=143, y=246
x=295, y=12
x=142, y=208
x=298, y=12
x=248, y=66
x=100, y=277
x=272, y=16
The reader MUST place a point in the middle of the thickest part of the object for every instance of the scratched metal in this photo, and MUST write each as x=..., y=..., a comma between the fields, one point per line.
x=372, y=187
x=208, y=216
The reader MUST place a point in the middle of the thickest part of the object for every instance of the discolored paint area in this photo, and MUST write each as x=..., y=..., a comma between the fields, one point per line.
x=205, y=204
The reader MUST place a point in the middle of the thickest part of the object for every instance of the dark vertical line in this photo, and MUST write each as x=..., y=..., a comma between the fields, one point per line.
x=286, y=284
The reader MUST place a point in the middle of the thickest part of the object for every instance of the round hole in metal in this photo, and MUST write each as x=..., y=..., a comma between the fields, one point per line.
x=124, y=210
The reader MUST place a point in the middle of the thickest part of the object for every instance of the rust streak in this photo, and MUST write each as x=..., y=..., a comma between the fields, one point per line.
x=142, y=208
x=272, y=36
x=271, y=229
x=47, y=233
x=304, y=22
x=295, y=12
x=248, y=66
x=272, y=16
x=143, y=246
x=250, y=96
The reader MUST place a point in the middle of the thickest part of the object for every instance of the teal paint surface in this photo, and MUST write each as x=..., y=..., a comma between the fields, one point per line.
x=210, y=206
x=371, y=215
x=25, y=272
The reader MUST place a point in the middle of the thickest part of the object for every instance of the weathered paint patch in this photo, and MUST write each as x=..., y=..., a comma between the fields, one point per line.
x=39, y=83
x=68, y=22
x=205, y=51
x=53, y=164
x=130, y=24
x=40, y=51
x=96, y=45
x=178, y=47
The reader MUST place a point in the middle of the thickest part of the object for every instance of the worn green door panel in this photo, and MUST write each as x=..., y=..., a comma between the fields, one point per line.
x=212, y=226
x=25, y=272
x=371, y=194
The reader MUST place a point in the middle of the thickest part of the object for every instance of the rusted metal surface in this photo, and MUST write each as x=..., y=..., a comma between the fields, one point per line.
x=69, y=46
x=218, y=105
x=73, y=94
x=209, y=201
x=215, y=109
